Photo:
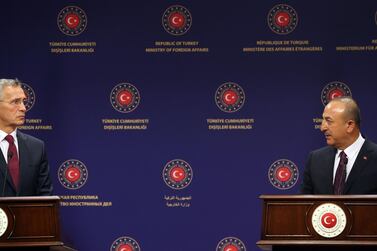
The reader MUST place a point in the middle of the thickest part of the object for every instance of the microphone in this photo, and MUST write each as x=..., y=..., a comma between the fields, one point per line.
x=10, y=156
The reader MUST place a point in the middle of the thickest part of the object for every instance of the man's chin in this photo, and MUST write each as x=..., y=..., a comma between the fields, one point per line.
x=330, y=142
x=20, y=122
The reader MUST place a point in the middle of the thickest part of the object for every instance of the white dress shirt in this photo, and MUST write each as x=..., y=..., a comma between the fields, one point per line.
x=4, y=145
x=352, y=151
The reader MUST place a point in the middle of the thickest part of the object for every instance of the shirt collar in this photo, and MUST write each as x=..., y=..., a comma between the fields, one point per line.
x=354, y=148
x=4, y=134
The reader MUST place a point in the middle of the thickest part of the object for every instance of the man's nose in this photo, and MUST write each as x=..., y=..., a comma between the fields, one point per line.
x=22, y=106
x=323, y=126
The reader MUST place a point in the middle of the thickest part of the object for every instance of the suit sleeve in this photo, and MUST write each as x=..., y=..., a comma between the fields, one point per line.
x=44, y=186
x=307, y=185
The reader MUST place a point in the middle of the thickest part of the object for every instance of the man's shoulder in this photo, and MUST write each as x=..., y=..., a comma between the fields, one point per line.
x=370, y=144
x=28, y=138
x=323, y=150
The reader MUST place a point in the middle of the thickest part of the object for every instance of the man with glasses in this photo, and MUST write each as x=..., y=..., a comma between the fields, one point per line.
x=24, y=169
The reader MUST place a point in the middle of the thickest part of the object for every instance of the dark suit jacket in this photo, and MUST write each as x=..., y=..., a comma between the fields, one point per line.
x=34, y=169
x=318, y=174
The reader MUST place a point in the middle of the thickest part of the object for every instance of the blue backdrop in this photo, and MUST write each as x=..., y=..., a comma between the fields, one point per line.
x=164, y=121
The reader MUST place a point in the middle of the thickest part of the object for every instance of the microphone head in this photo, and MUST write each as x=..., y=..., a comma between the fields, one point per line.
x=10, y=155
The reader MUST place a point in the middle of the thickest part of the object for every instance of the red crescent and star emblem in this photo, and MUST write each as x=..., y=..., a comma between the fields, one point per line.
x=282, y=19
x=125, y=243
x=176, y=20
x=333, y=90
x=230, y=97
x=72, y=20
x=177, y=174
x=283, y=174
x=328, y=220
x=335, y=93
x=230, y=247
x=125, y=247
x=125, y=97
x=72, y=174
x=30, y=96
x=231, y=244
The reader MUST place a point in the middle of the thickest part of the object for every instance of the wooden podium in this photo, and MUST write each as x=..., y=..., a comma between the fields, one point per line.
x=29, y=222
x=319, y=222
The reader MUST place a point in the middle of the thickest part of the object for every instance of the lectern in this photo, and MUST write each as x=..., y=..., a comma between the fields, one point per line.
x=319, y=222
x=27, y=222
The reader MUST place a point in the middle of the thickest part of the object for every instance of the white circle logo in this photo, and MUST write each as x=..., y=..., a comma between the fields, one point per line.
x=3, y=222
x=329, y=220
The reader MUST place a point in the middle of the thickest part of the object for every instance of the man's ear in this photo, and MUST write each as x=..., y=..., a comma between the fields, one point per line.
x=351, y=125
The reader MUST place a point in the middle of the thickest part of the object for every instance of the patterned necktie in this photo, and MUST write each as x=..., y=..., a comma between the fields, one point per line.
x=13, y=164
x=341, y=173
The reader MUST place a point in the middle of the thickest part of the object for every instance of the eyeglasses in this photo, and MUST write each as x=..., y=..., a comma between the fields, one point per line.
x=15, y=102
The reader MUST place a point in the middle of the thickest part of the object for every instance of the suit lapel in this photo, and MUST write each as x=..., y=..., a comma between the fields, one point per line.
x=22, y=152
x=359, y=165
x=329, y=163
x=5, y=171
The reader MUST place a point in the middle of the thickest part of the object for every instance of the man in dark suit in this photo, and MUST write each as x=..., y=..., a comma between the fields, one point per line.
x=348, y=165
x=24, y=169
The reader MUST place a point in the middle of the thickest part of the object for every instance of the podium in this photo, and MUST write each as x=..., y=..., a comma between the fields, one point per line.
x=29, y=222
x=319, y=222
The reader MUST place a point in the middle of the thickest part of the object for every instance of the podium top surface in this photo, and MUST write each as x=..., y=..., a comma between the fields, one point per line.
x=29, y=198
x=322, y=196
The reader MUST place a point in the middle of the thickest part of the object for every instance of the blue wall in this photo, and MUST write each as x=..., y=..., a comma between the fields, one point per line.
x=115, y=192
